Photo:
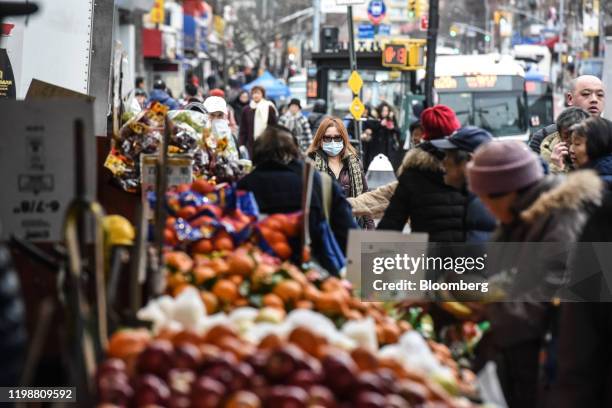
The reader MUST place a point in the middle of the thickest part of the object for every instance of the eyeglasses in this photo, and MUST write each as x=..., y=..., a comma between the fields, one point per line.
x=329, y=139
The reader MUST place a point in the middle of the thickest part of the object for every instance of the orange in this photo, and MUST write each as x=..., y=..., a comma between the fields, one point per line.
x=220, y=266
x=179, y=261
x=272, y=300
x=203, y=246
x=225, y=290
x=237, y=279
x=288, y=290
x=282, y=249
x=201, y=220
x=187, y=212
x=222, y=241
x=203, y=273
x=210, y=301
x=175, y=279
x=328, y=303
x=241, y=263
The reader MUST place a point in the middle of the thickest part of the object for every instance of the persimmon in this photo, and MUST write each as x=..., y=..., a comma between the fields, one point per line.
x=179, y=289
x=272, y=236
x=312, y=293
x=223, y=241
x=291, y=226
x=288, y=290
x=328, y=303
x=273, y=300
x=186, y=336
x=220, y=266
x=127, y=343
x=201, y=220
x=202, y=186
x=170, y=222
x=170, y=237
x=272, y=223
x=179, y=261
x=270, y=342
x=187, y=212
x=203, y=273
x=237, y=279
x=304, y=304
x=282, y=249
x=210, y=301
x=182, y=188
x=241, y=263
x=225, y=290
x=203, y=246
x=176, y=279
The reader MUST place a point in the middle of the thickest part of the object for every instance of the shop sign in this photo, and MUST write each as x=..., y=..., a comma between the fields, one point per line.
x=158, y=14
x=7, y=79
x=37, y=163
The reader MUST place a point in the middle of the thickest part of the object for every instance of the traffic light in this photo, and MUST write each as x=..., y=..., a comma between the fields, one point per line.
x=412, y=8
x=422, y=7
x=487, y=38
x=454, y=30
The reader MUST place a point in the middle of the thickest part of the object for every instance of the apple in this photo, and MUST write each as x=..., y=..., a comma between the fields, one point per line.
x=304, y=379
x=368, y=399
x=340, y=371
x=243, y=399
x=187, y=355
x=207, y=393
x=151, y=390
x=156, y=358
x=283, y=362
x=283, y=396
x=320, y=395
x=115, y=389
x=413, y=392
x=181, y=380
x=395, y=401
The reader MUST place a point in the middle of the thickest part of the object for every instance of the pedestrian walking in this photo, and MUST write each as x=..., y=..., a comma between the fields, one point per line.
x=277, y=183
x=255, y=118
x=319, y=110
x=555, y=148
x=388, y=136
x=333, y=154
x=421, y=195
x=160, y=94
x=530, y=207
x=458, y=150
x=239, y=103
x=296, y=122
x=586, y=92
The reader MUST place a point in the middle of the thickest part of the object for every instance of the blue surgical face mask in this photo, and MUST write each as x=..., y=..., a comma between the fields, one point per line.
x=333, y=148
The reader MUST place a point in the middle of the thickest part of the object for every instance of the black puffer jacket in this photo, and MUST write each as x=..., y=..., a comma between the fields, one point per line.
x=422, y=197
x=12, y=323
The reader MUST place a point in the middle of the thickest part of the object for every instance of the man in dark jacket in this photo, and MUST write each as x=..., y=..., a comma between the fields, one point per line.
x=421, y=195
x=159, y=94
x=277, y=182
x=586, y=92
x=531, y=208
x=458, y=149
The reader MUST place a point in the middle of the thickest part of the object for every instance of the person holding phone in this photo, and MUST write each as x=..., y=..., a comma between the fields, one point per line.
x=555, y=148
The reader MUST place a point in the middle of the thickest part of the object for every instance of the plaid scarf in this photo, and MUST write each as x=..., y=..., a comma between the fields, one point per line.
x=352, y=164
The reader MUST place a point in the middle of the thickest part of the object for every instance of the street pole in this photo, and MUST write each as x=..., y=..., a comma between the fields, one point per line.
x=353, y=63
x=316, y=25
x=432, y=40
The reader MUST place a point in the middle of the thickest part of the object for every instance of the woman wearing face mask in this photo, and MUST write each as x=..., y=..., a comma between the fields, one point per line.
x=591, y=147
x=255, y=118
x=216, y=107
x=333, y=154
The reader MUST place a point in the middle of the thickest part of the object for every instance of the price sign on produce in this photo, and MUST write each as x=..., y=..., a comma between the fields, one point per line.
x=37, y=164
x=179, y=171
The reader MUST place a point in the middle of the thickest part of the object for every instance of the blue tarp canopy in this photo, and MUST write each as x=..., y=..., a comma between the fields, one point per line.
x=275, y=88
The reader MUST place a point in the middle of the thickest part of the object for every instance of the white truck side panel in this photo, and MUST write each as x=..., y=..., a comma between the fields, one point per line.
x=607, y=77
x=54, y=46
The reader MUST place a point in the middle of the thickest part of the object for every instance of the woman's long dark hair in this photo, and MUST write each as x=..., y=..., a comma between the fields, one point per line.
x=277, y=144
x=598, y=135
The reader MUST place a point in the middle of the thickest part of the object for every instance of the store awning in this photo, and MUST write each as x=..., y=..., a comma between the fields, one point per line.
x=275, y=88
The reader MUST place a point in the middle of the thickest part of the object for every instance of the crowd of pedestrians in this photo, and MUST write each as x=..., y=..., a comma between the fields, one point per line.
x=458, y=185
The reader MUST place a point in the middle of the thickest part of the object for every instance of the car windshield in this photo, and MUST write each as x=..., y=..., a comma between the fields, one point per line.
x=501, y=113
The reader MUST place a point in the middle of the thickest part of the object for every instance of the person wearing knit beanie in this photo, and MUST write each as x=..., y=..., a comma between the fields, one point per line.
x=439, y=121
x=531, y=208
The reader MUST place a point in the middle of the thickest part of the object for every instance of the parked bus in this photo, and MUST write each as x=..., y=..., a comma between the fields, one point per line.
x=487, y=91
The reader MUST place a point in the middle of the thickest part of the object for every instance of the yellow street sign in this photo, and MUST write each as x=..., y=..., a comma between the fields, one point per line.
x=357, y=108
x=355, y=82
x=158, y=14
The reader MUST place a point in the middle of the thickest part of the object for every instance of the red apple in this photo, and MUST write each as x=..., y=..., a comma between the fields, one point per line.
x=156, y=358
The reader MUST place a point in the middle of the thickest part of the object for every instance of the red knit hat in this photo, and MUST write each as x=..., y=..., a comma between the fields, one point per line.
x=217, y=92
x=438, y=122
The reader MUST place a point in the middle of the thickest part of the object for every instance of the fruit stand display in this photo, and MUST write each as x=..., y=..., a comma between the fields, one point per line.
x=242, y=325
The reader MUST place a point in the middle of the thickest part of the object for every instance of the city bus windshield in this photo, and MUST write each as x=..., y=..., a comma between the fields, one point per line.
x=501, y=113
